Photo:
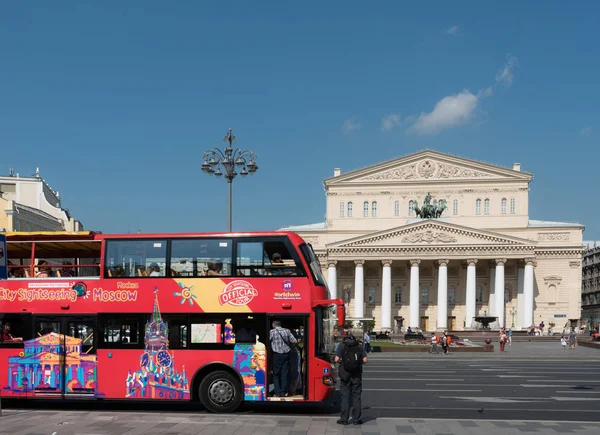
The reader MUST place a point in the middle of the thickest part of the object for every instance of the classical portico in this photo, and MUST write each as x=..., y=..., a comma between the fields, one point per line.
x=433, y=241
x=394, y=260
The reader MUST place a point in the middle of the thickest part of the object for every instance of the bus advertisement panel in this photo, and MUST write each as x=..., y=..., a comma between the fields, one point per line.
x=165, y=317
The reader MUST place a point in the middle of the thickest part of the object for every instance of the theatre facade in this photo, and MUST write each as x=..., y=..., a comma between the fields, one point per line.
x=478, y=255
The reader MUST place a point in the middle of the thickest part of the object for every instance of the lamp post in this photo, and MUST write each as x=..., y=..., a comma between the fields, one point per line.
x=512, y=313
x=229, y=158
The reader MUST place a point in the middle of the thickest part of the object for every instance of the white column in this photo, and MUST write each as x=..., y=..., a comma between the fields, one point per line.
x=413, y=317
x=332, y=278
x=386, y=296
x=492, y=285
x=471, y=292
x=359, y=289
x=442, y=295
x=528, y=293
x=520, y=299
x=499, y=308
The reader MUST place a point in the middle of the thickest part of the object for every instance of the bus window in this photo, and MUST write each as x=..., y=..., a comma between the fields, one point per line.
x=135, y=258
x=313, y=261
x=201, y=257
x=178, y=329
x=19, y=259
x=66, y=259
x=14, y=328
x=120, y=329
x=266, y=258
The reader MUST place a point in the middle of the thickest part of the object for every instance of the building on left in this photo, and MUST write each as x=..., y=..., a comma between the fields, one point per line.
x=29, y=204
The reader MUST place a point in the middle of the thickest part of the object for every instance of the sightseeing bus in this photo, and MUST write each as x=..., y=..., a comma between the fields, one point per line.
x=163, y=317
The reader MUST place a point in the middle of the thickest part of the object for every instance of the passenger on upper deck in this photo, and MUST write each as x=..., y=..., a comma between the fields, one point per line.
x=14, y=272
x=214, y=269
x=44, y=270
x=67, y=270
x=154, y=269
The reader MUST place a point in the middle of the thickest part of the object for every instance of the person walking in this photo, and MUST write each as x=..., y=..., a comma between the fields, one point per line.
x=434, y=344
x=351, y=356
x=503, y=338
x=509, y=335
x=367, y=342
x=282, y=341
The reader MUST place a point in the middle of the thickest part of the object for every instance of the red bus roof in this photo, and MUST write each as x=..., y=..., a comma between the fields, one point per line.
x=91, y=235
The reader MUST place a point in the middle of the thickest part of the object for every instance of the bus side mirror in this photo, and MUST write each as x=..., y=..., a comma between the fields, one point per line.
x=341, y=315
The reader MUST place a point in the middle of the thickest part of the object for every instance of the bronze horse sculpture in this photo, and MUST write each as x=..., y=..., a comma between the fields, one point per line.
x=431, y=211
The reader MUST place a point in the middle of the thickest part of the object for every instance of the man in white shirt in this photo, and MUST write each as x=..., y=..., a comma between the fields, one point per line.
x=434, y=344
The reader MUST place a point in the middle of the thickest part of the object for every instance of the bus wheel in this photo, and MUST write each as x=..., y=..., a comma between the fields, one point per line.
x=220, y=392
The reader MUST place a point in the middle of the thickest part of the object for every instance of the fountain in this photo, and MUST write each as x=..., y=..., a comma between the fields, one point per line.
x=485, y=321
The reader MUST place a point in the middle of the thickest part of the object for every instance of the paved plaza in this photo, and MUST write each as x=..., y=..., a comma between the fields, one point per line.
x=535, y=387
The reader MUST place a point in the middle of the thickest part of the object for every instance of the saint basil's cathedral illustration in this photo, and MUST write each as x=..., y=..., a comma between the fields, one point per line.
x=157, y=377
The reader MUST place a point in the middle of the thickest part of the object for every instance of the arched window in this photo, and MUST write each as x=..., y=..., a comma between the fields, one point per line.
x=455, y=207
x=396, y=208
x=366, y=209
x=374, y=209
x=349, y=208
x=411, y=208
x=503, y=206
x=486, y=206
x=478, y=206
x=398, y=295
x=513, y=205
x=342, y=208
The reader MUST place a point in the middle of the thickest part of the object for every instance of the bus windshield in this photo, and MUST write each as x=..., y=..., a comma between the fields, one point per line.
x=313, y=261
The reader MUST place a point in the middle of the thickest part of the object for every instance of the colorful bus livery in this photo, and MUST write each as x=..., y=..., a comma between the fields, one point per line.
x=164, y=317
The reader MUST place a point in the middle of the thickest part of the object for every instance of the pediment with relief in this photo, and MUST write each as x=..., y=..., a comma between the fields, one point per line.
x=431, y=232
x=427, y=169
x=429, y=165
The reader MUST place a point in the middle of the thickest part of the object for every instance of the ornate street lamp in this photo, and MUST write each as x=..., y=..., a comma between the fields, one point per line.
x=512, y=313
x=228, y=159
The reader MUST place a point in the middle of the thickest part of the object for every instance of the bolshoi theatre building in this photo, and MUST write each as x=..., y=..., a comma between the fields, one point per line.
x=435, y=241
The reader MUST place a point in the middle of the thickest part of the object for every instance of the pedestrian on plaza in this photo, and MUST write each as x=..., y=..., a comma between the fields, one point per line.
x=572, y=339
x=434, y=344
x=282, y=344
x=445, y=343
x=563, y=342
x=509, y=335
x=503, y=338
x=351, y=356
x=367, y=341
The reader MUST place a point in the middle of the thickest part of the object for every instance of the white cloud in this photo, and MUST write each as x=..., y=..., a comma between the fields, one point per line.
x=586, y=131
x=390, y=122
x=452, y=30
x=351, y=125
x=487, y=92
x=448, y=112
x=505, y=75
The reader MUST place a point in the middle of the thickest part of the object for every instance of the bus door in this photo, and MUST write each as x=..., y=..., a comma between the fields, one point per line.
x=66, y=351
x=297, y=360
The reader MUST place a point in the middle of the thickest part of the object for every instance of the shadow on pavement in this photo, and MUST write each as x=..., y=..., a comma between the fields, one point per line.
x=326, y=408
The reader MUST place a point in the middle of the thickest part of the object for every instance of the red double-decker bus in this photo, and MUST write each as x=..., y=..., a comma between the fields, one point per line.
x=165, y=317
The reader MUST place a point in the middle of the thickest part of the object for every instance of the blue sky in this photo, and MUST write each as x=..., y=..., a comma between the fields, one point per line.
x=116, y=104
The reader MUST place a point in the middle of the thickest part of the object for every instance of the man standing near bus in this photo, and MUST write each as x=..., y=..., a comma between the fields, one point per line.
x=282, y=341
x=352, y=357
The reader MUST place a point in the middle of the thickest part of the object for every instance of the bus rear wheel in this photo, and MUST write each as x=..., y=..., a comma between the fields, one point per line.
x=220, y=392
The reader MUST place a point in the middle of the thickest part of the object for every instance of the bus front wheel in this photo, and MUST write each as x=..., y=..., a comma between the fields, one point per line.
x=220, y=392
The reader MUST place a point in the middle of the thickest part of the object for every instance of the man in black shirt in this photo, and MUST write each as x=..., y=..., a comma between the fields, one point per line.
x=350, y=352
